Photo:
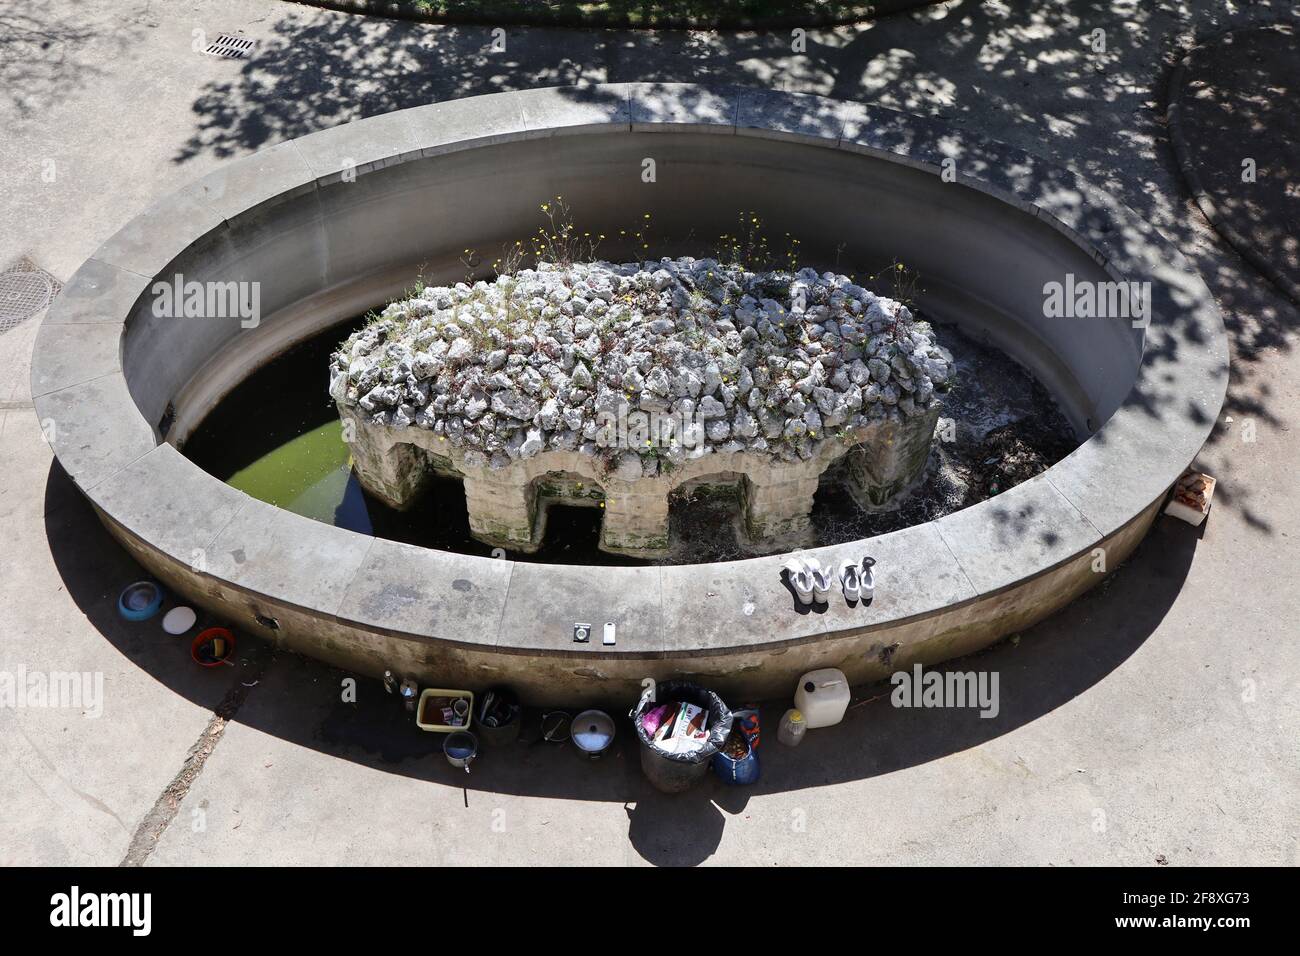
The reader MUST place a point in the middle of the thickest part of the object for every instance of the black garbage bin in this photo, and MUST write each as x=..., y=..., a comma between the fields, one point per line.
x=671, y=772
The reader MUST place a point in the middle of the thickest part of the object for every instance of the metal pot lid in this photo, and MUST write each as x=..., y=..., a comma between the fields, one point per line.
x=593, y=730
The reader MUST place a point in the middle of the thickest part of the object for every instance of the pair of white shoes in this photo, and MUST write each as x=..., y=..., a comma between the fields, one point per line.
x=812, y=582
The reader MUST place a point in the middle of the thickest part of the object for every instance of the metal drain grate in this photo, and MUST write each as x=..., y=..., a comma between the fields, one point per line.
x=231, y=47
x=23, y=293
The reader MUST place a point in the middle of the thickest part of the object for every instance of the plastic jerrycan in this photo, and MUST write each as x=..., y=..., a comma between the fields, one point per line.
x=822, y=697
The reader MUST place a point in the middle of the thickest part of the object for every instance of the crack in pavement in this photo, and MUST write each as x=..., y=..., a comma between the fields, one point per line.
x=160, y=815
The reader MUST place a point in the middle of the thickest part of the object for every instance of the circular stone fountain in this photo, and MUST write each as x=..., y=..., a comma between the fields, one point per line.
x=290, y=241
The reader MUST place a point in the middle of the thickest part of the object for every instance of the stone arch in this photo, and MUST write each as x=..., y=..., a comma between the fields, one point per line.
x=562, y=487
x=773, y=499
x=730, y=489
x=570, y=487
x=396, y=473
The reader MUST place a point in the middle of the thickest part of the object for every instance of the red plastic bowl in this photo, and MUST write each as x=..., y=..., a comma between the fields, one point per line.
x=205, y=637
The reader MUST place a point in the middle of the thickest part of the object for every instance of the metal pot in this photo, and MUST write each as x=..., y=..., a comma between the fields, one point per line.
x=460, y=748
x=593, y=732
x=498, y=719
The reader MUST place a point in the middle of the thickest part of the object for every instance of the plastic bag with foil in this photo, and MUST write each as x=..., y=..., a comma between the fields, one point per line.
x=717, y=726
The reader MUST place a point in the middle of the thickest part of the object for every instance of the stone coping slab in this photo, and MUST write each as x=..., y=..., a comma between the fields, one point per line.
x=119, y=461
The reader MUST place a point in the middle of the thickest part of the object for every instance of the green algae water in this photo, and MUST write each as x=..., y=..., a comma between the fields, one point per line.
x=307, y=475
x=277, y=437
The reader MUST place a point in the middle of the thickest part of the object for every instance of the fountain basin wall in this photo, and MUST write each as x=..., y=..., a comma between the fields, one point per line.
x=332, y=223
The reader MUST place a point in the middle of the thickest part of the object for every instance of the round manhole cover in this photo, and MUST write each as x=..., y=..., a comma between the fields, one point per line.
x=22, y=295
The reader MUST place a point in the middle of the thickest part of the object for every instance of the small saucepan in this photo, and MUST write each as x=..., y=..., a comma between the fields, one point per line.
x=460, y=747
x=592, y=732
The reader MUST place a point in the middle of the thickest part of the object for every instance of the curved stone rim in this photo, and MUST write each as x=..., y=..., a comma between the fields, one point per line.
x=149, y=491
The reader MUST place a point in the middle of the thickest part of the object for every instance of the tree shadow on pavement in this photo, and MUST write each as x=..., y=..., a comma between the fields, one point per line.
x=45, y=54
x=1236, y=130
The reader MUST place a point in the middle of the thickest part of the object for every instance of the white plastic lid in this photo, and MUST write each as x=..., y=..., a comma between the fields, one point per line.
x=179, y=620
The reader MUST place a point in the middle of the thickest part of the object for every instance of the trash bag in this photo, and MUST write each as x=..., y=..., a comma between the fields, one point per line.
x=737, y=771
x=674, y=772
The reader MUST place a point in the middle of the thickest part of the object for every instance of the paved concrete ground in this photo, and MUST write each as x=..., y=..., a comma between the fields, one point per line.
x=1236, y=132
x=1155, y=719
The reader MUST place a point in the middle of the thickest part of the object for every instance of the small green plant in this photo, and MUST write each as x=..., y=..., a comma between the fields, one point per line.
x=640, y=236
x=749, y=248
x=903, y=284
x=559, y=241
x=510, y=260
x=791, y=254
x=746, y=247
x=470, y=260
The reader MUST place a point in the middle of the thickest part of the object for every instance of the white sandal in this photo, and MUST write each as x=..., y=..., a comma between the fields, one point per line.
x=850, y=581
x=867, y=579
